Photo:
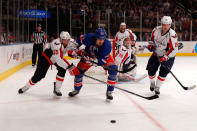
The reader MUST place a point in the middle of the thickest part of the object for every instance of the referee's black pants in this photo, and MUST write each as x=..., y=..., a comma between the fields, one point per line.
x=37, y=49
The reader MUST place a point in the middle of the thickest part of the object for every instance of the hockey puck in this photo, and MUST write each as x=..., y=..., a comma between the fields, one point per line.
x=113, y=121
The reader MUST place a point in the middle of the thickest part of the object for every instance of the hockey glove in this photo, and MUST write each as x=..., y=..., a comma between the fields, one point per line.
x=163, y=59
x=73, y=70
x=150, y=47
x=76, y=53
x=91, y=61
x=180, y=46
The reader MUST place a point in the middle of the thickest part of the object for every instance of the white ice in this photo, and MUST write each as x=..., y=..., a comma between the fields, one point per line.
x=39, y=110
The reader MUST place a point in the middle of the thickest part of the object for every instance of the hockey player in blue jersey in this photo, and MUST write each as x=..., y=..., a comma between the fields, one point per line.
x=97, y=49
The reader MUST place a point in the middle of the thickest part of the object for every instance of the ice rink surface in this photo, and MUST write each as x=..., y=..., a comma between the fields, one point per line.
x=39, y=110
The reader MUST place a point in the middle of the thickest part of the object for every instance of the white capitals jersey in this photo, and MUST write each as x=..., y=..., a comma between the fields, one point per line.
x=59, y=51
x=121, y=36
x=164, y=44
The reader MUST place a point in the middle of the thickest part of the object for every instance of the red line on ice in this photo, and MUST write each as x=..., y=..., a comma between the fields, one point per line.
x=145, y=112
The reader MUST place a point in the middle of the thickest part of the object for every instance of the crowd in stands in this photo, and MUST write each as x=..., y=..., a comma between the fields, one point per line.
x=132, y=11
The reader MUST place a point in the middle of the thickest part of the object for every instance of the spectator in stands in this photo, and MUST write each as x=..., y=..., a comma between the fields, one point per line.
x=3, y=36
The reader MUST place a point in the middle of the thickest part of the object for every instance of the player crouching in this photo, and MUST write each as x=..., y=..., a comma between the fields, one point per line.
x=126, y=58
x=164, y=46
x=53, y=55
x=97, y=49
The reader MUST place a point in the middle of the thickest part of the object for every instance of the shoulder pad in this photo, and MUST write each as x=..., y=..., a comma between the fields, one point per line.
x=128, y=30
x=172, y=33
x=56, y=42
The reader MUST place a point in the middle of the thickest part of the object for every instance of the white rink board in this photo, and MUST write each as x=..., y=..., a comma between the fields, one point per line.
x=13, y=55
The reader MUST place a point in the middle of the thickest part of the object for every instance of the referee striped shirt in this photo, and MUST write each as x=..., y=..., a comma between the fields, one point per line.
x=39, y=37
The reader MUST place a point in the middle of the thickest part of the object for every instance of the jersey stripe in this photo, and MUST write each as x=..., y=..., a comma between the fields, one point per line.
x=125, y=57
x=170, y=46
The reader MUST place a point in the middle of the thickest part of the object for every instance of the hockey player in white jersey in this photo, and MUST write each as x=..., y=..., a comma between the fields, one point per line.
x=126, y=58
x=53, y=55
x=121, y=35
x=164, y=46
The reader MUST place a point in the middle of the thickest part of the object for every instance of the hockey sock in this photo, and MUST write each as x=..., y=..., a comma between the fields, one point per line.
x=78, y=82
x=59, y=81
x=160, y=81
x=29, y=84
x=152, y=80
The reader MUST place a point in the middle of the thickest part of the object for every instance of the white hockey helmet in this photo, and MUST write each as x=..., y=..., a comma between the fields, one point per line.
x=65, y=35
x=166, y=20
x=123, y=23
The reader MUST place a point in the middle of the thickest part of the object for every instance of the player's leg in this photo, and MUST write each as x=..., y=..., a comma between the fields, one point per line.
x=162, y=74
x=111, y=77
x=152, y=68
x=61, y=67
x=41, y=70
x=83, y=67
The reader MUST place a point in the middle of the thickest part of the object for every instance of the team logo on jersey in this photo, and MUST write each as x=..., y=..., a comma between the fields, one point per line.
x=175, y=36
x=102, y=33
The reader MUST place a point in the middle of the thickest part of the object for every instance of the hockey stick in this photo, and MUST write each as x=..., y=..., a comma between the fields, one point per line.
x=184, y=87
x=106, y=67
x=145, y=97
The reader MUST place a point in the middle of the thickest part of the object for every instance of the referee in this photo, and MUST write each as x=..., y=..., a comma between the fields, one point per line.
x=39, y=38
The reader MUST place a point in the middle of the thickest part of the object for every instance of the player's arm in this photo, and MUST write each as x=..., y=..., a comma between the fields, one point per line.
x=150, y=46
x=46, y=46
x=132, y=35
x=116, y=42
x=76, y=51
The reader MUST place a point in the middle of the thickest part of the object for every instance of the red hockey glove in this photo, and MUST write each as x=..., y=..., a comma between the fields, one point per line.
x=73, y=70
x=72, y=53
x=150, y=47
x=163, y=59
x=76, y=53
x=81, y=53
x=133, y=44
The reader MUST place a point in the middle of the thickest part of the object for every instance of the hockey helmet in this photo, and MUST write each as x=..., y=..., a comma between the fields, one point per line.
x=101, y=33
x=65, y=35
x=123, y=23
x=166, y=20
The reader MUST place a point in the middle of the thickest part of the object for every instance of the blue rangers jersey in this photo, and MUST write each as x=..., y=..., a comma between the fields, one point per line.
x=101, y=53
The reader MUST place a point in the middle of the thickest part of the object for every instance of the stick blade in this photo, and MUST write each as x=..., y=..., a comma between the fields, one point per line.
x=191, y=87
x=152, y=97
